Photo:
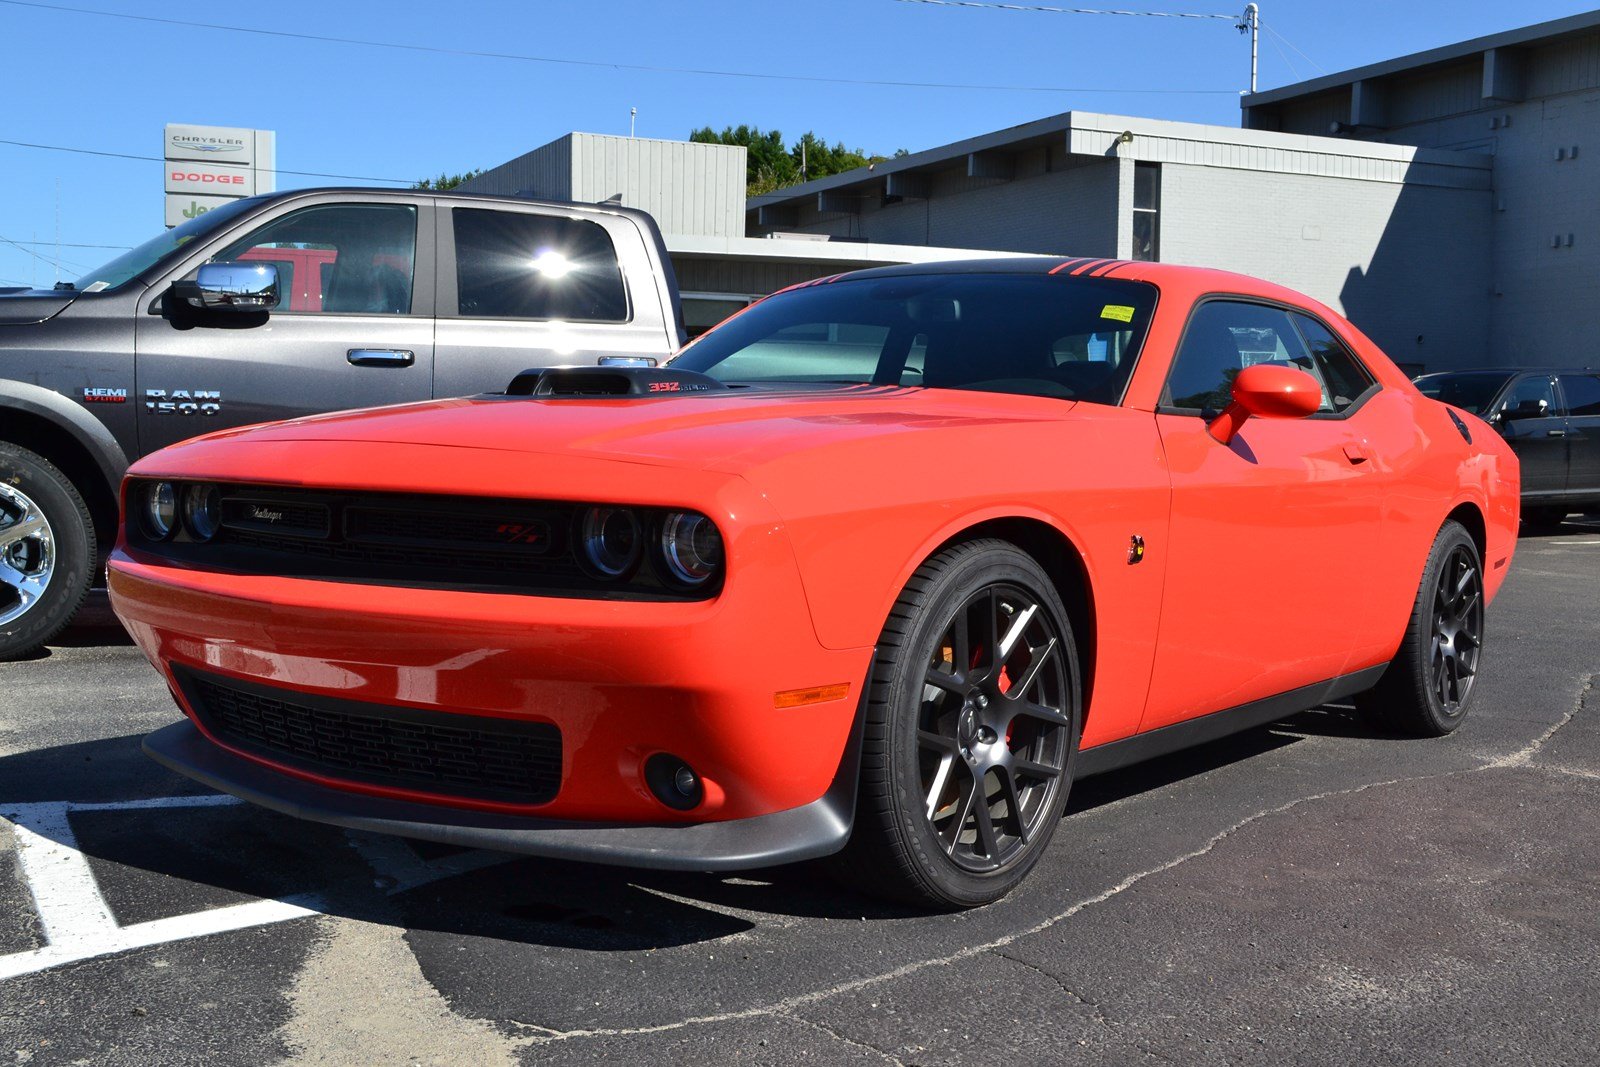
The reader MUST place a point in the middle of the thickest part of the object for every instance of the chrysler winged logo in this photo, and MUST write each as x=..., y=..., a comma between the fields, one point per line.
x=261, y=514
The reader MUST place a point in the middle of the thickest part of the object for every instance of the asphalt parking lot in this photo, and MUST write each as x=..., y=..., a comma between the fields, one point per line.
x=1309, y=893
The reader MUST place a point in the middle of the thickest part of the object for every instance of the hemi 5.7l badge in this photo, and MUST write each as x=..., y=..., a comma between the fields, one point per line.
x=100, y=395
x=183, y=402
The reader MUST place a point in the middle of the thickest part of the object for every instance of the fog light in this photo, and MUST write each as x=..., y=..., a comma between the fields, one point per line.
x=157, y=508
x=673, y=781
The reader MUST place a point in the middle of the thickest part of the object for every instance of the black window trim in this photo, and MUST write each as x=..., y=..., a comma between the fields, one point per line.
x=1163, y=408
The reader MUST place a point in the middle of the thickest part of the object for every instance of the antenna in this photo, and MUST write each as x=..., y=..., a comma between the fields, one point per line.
x=1250, y=22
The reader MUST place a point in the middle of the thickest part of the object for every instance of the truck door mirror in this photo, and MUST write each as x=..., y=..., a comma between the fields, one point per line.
x=235, y=287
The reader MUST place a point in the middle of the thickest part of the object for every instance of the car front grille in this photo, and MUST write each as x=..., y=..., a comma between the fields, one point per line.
x=441, y=753
x=414, y=539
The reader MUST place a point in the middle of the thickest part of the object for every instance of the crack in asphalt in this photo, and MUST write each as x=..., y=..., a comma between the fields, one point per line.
x=1520, y=758
x=831, y=1032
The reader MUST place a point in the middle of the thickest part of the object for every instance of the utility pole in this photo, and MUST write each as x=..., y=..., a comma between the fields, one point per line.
x=1250, y=23
x=633, y=116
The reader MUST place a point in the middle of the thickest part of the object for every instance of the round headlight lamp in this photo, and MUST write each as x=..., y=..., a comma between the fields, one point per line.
x=202, y=511
x=157, y=508
x=609, y=541
x=691, y=548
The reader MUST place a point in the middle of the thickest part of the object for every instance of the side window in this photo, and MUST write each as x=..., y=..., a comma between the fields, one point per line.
x=515, y=265
x=1582, y=392
x=1531, y=398
x=1343, y=376
x=1223, y=338
x=367, y=254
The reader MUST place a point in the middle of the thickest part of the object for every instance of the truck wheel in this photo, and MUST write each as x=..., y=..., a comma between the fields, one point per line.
x=47, y=551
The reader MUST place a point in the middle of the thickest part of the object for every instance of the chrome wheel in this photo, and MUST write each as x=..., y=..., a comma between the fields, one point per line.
x=994, y=728
x=27, y=553
x=1457, y=630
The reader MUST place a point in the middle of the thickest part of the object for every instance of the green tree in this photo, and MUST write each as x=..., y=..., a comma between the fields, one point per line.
x=447, y=181
x=772, y=164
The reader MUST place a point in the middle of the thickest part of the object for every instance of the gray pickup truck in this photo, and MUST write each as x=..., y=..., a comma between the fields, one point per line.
x=285, y=305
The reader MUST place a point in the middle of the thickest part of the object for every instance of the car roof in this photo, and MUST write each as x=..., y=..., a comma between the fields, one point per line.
x=446, y=194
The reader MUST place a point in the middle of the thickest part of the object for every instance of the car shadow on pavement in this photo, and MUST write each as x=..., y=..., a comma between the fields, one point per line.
x=152, y=860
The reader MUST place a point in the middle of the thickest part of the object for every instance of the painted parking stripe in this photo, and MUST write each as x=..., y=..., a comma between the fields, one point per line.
x=78, y=925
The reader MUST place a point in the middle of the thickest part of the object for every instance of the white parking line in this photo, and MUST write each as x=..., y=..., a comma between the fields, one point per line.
x=78, y=925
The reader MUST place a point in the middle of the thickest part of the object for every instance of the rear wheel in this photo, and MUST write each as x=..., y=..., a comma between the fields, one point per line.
x=47, y=549
x=1429, y=686
x=972, y=724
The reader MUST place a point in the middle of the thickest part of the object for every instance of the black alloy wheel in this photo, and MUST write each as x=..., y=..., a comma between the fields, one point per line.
x=1429, y=686
x=993, y=727
x=1457, y=629
x=972, y=719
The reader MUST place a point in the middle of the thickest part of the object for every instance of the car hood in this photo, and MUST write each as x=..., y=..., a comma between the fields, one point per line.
x=725, y=432
x=21, y=306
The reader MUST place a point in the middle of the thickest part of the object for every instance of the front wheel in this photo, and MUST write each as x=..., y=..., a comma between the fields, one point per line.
x=47, y=551
x=971, y=729
x=1430, y=684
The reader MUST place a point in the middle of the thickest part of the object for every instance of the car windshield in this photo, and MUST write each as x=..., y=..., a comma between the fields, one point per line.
x=1035, y=334
x=133, y=263
x=1471, y=391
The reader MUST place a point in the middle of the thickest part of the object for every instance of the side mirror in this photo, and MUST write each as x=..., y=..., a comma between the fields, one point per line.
x=1268, y=393
x=235, y=287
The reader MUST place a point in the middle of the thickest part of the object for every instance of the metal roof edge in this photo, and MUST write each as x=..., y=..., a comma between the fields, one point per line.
x=1525, y=35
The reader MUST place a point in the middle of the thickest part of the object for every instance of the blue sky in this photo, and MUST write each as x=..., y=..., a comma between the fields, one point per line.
x=87, y=81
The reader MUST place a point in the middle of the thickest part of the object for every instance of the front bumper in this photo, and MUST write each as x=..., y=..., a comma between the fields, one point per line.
x=807, y=832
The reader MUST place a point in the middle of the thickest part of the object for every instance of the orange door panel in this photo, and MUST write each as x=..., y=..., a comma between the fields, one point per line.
x=1266, y=580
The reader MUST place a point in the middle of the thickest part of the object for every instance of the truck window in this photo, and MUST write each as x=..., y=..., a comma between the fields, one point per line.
x=353, y=258
x=515, y=265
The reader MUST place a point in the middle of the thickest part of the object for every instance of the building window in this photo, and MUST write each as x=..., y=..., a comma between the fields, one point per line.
x=1147, y=211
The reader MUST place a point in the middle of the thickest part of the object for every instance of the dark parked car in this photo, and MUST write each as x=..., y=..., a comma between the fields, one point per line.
x=1551, y=418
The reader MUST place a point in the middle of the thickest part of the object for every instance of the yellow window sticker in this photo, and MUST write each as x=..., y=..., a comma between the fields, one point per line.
x=1120, y=312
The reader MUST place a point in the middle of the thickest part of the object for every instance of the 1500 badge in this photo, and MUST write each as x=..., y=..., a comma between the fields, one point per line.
x=183, y=401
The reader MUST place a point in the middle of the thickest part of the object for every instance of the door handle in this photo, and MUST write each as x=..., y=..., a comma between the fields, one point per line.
x=380, y=357
x=1555, y=433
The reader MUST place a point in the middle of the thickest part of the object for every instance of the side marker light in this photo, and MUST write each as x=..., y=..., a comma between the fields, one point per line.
x=820, y=694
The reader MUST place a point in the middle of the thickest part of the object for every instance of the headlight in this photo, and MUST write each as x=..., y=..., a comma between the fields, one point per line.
x=202, y=511
x=609, y=542
x=157, y=507
x=691, y=548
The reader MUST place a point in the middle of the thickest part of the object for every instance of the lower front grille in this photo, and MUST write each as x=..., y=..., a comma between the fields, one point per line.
x=450, y=755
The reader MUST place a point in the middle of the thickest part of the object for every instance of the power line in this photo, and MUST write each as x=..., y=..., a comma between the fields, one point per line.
x=1291, y=44
x=1069, y=10
x=159, y=159
x=57, y=263
x=599, y=64
x=65, y=244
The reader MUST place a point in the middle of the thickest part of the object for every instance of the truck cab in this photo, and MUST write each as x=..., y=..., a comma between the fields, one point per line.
x=361, y=297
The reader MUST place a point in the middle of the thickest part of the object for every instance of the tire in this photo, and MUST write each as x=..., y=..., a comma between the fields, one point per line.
x=932, y=731
x=1429, y=686
x=47, y=551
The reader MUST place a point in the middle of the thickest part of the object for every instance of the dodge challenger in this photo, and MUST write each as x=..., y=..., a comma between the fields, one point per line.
x=877, y=567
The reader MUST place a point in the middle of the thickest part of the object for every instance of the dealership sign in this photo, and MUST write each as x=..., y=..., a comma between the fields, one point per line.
x=206, y=166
